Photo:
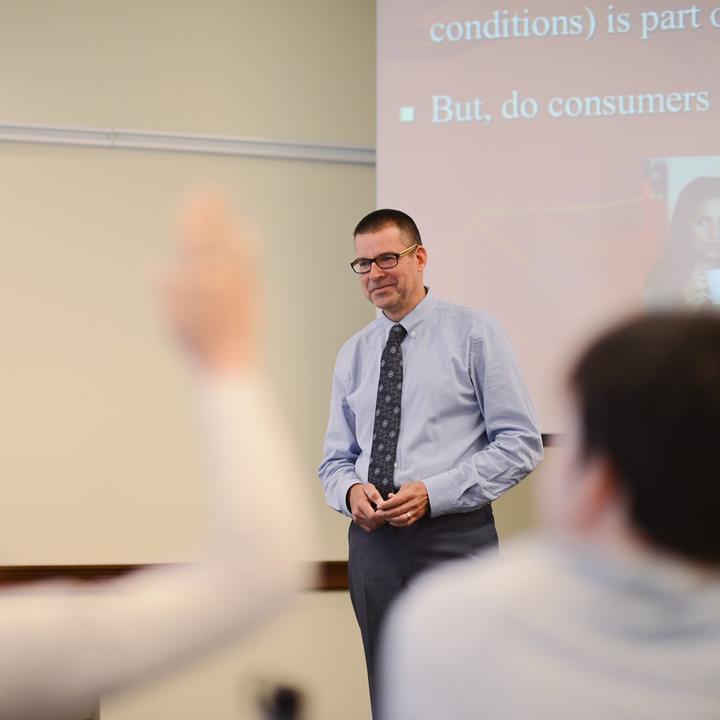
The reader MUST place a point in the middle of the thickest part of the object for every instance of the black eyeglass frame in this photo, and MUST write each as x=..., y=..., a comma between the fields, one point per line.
x=395, y=257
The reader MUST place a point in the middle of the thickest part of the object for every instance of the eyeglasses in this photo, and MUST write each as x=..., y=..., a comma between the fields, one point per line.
x=385, y=261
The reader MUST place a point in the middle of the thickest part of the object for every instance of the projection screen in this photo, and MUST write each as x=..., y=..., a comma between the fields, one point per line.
x=561, y=160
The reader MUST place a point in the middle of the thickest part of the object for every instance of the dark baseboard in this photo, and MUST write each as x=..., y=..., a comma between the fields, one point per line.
x=329, y=575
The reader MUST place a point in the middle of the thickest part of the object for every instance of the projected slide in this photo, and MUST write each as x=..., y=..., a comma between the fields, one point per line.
x=561, y=159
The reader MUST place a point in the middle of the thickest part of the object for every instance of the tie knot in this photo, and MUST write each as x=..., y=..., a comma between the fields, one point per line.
x=397, y=333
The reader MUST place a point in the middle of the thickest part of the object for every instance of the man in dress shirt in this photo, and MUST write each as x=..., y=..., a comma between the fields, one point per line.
x=614, y=611
x=467, y=430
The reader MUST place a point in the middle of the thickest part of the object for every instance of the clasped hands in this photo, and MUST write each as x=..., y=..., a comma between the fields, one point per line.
x=401, y=509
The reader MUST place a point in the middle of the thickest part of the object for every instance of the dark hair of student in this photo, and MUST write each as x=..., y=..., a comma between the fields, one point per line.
x=648, y=394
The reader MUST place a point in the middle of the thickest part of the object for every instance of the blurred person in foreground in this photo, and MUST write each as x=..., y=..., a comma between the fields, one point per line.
x=614, y=612
x=64, y=645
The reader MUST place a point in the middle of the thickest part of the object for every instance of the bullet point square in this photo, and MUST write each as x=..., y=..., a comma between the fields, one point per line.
x=407, y=114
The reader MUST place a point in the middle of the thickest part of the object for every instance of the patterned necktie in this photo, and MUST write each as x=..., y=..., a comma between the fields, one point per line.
x=387, y=414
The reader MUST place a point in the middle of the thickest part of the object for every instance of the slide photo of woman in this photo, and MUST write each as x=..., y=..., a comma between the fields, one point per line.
x=688, y=272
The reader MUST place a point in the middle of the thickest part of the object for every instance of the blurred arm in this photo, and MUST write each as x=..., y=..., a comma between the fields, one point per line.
x=63, y=645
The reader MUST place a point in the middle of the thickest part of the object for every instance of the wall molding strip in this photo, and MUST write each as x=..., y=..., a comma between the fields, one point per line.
x=117, y=138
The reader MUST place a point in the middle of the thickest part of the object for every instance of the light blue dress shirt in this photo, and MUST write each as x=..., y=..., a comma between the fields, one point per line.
x=468, y=429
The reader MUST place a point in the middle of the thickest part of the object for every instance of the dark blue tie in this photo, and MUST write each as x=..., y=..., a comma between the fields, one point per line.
x=387, y=413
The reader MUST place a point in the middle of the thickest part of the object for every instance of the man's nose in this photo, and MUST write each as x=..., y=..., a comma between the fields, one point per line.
x=375, y=271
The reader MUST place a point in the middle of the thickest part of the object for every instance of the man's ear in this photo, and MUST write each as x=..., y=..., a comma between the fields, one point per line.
x=421, y=257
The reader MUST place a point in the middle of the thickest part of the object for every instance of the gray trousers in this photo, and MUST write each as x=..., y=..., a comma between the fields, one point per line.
x=383, y=562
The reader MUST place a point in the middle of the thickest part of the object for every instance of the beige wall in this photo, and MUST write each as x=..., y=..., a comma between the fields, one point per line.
x=96, y=420
x=270, y=68
x=95, y=417
x=98, y=452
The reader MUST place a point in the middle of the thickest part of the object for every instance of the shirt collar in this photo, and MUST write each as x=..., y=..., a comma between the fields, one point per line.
x=414, y=318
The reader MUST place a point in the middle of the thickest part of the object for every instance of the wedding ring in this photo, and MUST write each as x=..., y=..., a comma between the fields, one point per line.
x=409, y=515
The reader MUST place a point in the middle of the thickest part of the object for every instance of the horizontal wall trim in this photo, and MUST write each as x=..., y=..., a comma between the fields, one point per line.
x=120, y=139
x=328, y=575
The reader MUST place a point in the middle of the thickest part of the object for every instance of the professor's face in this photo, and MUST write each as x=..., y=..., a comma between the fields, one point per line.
x=396, y=290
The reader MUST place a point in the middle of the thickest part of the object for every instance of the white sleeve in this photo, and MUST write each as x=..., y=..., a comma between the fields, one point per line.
x=62, y=646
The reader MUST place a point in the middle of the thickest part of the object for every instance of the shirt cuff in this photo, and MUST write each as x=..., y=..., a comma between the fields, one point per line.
x=442, y=499
x=343, y=487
